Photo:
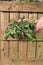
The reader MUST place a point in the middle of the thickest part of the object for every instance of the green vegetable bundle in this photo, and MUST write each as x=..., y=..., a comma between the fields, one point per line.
x=20, y=30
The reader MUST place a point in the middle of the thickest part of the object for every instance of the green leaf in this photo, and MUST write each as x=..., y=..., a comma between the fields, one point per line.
x=15, y=28
x=7, y=36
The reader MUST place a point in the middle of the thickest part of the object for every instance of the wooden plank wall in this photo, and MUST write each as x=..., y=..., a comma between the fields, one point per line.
x=21, y=50
x=13, y=50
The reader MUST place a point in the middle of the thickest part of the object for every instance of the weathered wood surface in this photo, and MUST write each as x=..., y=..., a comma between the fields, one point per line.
x=24, y=50
x=20, y=50
x=24, y=62
x=21, y=6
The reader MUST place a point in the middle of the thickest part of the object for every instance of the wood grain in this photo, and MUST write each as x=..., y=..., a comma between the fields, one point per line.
x=10, y=11
x=21, y=6
x=13, y=50
x=13, y=16
x=4, y=22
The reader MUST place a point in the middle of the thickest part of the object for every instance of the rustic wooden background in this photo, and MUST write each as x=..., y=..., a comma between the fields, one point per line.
x=24, y=0
x=20, y=50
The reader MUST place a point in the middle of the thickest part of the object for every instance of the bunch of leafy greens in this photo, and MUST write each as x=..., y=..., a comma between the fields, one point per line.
x=15, y=29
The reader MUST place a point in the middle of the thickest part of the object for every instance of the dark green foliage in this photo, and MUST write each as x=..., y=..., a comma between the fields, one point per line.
x=15, y=30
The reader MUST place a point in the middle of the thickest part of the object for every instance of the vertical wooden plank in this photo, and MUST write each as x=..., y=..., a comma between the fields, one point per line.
x=0, y=49
x=33, y=15
x=0, y=35
x=13, y=44
x=31, y=50
x=31, y=46
x=21, y=15
x=4, y=22
x=0, y=25
x=36, y=44
x=39, y=35
x=40, y=15
x=17, y=49
x=40, y=44
x=24, y=14
x=22, y=50
x=13, y=16
x=22, y=44
x=40, y=50
x=13, y=50
x=4, y=49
